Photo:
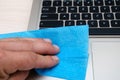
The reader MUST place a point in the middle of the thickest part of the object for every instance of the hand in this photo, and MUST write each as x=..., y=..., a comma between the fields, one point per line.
x=19, y=55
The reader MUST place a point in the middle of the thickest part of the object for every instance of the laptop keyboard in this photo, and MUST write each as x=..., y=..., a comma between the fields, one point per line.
x=102, y=16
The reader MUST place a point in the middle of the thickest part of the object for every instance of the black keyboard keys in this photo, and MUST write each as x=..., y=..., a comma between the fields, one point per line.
x=81, y=22
x=57, y=3
x=94, y=9
x=72, y=9
x=49, y=16
x=115, y=23
x=108, y=16
x=92, y=23
x=47, y=24
x=105, y=9
x=115, y=8
x=117, y=15
x=47, y=3
x=83, y=9
x=117, y=2
x=75, y=16
x=98, y=2
x=64, y=16
x=109, y=2
x=77, y=2
x=48, y=9
x=69, y=23
x=102, y=16
x=97, y=16
x=88, y=2
x=67, y=3
x=104, y=23
x=86, y=16
x=62, y=9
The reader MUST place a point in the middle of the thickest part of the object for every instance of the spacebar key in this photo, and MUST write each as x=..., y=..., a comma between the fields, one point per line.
x=50, y=24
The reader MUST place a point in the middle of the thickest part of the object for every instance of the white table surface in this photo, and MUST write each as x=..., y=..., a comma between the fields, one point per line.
x=14, y=15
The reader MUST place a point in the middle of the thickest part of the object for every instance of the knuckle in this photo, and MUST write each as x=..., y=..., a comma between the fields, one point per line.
x=49, y=62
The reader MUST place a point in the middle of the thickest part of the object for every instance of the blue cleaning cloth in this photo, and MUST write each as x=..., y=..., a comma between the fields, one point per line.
x=73, y=55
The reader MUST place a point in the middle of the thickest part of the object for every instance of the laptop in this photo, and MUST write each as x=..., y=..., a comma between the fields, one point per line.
x=103, y=18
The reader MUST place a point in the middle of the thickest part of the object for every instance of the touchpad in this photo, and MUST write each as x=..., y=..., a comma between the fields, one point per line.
x=106, y=60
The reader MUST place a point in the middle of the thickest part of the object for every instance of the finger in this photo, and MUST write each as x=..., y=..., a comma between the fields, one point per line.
x=23, y=39
x=26, y=61
x=37, y=45
x=19, y=75
x=11, y=39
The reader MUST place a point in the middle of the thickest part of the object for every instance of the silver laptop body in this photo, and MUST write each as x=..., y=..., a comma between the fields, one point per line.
x=104, y=50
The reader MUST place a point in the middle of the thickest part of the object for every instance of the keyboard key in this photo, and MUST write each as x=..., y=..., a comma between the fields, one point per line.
x=81, y=22
x=77, y=2
x=49, y=16
x=46, y=3
x=72, y=9
x=75, y=16
x=105, y=9
x=94, y=9
x=104, y=23
x=92, y=23
x=104, y=31
x=115, y=23
x=67, y=3
x=98, y=2
x=86, y=16
x=51, y=23
x=117, y=2
x=69, y=23
x=62, y=9
x=57, y=3
x=108, y=16
x=97, y=15
x=64, y=16
x=83, y=9
x=48, y=9
x=88, y=2
x=117, y=15
x=109, y=2
x=115, y=8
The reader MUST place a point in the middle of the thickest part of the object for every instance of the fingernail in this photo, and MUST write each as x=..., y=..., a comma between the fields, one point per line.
x=56, y=47
x=55, y=58
x=47, y=40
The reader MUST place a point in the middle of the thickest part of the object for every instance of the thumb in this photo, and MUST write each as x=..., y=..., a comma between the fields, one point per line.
x=19, y=75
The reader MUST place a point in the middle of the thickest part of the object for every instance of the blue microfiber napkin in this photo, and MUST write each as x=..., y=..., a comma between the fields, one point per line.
x=73, y=55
